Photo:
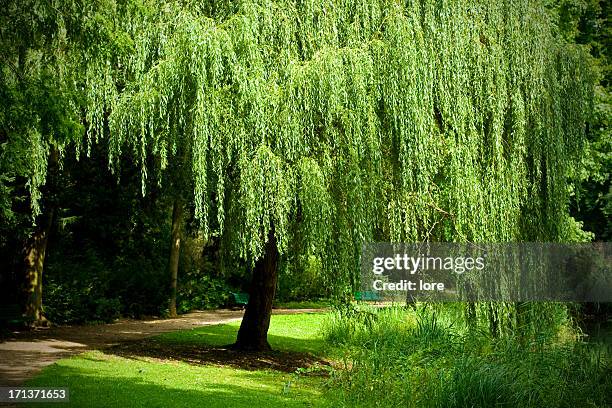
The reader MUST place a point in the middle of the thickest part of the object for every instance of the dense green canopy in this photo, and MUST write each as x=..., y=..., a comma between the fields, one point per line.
x=38, y=100
x=339, y=122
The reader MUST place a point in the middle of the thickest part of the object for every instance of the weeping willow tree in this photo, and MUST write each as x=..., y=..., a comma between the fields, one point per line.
x=312, y=127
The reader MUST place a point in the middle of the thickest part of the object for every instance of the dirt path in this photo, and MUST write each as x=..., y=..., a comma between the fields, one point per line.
x=25, y=353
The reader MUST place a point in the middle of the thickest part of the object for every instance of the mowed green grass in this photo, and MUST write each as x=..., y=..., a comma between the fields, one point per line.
x=96, y=379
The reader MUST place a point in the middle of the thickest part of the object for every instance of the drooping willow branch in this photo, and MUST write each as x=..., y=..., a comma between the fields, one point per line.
x=342, y=122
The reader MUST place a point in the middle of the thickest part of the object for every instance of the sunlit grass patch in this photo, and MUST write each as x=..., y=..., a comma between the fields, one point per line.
x=105, y=379
x=99, y=380
x=290, y=332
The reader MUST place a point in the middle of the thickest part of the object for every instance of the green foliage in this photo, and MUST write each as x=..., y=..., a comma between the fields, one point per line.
x=303, y=280
x=39, y=95
x=199, y=291
x=109, y=252
x=428, y=358
x=341, y=123
x=586, y=22
x=66, y=304
x=592, y=193
x=330, y=123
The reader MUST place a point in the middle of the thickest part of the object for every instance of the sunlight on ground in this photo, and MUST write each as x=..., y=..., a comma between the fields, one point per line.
x=298, y=332
x=96, y=379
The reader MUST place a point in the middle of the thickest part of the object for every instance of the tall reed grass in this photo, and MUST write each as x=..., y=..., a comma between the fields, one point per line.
x=431, y=357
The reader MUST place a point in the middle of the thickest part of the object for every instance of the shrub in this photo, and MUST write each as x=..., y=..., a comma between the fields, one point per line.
x=200, y=291
x=69, y=304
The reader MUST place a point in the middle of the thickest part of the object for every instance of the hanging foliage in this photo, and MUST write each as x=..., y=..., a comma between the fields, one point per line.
x=355, y=121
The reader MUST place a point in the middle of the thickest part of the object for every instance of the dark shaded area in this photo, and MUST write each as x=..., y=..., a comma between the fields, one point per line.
x=285, y=361
x=108, y=250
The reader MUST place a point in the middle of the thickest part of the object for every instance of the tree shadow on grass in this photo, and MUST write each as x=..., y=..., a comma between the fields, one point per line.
x=202, y=354
x=210, y=345
x=90, y=388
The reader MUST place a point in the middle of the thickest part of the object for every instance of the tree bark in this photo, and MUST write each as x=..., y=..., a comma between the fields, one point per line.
x=175, y=250
x=253, y=332
x=34, y=260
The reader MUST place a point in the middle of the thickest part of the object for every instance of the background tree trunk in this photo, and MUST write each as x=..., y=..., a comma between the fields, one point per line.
x=34, y=261
x=175, y=250
x=253, y=333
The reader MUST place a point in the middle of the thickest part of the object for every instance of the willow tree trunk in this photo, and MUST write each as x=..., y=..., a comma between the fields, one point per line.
x=253, y=333
x=175, y=250
x=34, y=261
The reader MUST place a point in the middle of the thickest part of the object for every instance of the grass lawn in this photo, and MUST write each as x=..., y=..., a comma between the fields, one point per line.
x=294, y=332
x=395, y=358
x=303, y=304
x=105, y=379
